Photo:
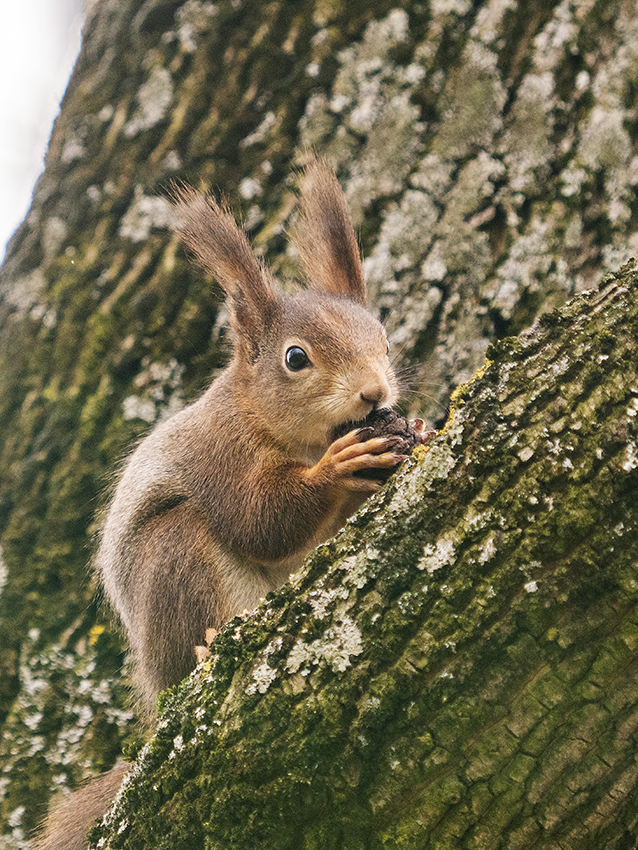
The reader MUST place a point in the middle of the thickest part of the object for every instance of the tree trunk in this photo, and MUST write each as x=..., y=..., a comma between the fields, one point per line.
x=459, y=667
x=489, y=154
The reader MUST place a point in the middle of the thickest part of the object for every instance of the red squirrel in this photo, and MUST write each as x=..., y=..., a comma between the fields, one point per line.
x=218, y=505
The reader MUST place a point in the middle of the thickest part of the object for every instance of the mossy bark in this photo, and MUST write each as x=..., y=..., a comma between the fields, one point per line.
x=489, y=154
x=459, y=667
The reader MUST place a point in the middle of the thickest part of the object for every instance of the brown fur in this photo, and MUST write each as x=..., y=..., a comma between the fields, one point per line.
x=218, y=505
x=325, y=237
x=69, y=821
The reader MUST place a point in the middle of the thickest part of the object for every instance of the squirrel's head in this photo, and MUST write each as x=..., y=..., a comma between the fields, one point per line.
x=306, y=362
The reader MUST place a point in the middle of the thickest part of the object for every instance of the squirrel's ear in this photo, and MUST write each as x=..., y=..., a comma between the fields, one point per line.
x=325, y=237
x=221, y=247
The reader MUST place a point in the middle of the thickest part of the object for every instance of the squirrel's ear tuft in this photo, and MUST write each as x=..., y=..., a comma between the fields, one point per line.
x=210, y=231
x=325, y=237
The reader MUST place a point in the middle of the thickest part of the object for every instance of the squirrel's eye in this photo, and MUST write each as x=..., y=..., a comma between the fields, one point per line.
x=296, y=359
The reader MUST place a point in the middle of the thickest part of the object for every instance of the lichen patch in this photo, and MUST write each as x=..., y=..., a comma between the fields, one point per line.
x=333, y=650
x=154, y=100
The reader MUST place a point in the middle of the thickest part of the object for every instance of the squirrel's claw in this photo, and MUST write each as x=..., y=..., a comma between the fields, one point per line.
x=425, y=436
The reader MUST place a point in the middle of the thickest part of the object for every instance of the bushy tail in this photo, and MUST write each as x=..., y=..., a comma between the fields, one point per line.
x=67, y=824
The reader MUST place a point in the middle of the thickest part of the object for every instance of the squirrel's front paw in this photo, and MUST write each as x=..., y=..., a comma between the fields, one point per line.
x=354, y=453
x=385, y=422
x=425, y=435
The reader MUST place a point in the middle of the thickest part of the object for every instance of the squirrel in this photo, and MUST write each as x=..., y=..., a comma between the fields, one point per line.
x=219, y=504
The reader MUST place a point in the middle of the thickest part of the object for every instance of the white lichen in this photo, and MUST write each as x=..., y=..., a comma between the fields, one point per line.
x=322, y=601
x=370, y=98
x=489, y=20
x=441, y=8
x=487, y=550
x=266, y=129
x=405, y=237
x=73, y=148
x=133, y=407
x=193, y=18
x=433, y=267
x=561, y=30
x=160, y=391
x=254, y=216
x=154, y=99
x=605, y=143
x=172, y=161
x=263, y=675
x=55, y=231
x=437, y=555
x=117, y=716
x=526, y=266
x=250, y=188
x=44, y=670
x=356, y=567
x=15, y=817
x=144, y=213
x=334, y=649
x=106, y=113
x=630, y=458
x=23, y=293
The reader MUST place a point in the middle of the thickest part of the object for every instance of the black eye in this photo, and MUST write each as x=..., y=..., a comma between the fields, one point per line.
x=296, y=359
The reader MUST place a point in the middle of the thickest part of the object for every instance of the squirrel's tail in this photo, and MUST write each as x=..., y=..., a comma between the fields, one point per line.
x=67, y=824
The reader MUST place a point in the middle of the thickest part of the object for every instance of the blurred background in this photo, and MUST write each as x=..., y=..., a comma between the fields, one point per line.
x=41, y=39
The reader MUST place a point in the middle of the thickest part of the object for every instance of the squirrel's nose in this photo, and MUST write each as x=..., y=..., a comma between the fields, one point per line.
x=374, y=394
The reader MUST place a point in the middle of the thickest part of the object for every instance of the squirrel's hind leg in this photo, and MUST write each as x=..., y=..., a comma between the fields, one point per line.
x=174, y=599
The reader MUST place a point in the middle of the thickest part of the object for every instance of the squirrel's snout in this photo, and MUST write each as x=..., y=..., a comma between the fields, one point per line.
x=375, y=394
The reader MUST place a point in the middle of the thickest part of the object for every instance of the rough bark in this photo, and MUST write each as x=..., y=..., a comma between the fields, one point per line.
x=488, y=151
x=459, y=667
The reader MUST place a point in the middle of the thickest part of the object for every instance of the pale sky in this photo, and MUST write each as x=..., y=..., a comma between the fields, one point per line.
x=40, y=41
